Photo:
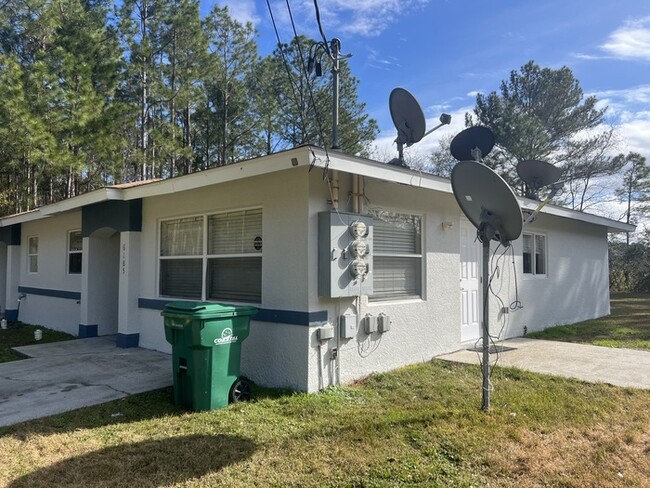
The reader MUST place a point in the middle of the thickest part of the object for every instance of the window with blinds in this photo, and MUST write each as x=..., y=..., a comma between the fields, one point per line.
x=534, y=254
x=235, y=256
x=397, y=256
x=225, y=263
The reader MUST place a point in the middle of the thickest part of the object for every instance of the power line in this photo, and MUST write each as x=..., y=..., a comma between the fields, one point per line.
x=320, y=27
x=286, y=65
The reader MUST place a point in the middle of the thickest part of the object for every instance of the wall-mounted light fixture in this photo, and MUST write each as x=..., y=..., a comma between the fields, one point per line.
x=446, y=226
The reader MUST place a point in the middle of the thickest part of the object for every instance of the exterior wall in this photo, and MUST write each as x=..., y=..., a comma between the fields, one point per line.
x=420, y=329
x=576, y=286
x=48, y=309
x=274, y=354
x=287, y=354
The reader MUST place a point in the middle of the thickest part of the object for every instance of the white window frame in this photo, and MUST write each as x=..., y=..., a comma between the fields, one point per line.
x=204, y=255
x=412, y=256
x=71, y=252
x=533, y=259
x=31, y=255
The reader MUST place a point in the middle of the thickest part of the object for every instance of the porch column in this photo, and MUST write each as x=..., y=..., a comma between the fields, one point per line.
x=12, y=281
x=99, y=282
x=128, y=328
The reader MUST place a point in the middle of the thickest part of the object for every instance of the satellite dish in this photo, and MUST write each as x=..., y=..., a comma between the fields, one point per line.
x=472, y=144
x=407, y=116
x=491, y=206
x=409, y=121
x=487, y=201
x=537, y=174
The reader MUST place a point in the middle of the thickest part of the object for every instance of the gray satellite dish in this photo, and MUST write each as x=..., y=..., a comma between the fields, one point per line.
x=409, y=121
x=487, y=201
x=537, y=174
x=407, y=116
x=491, y=206
x=472, y=144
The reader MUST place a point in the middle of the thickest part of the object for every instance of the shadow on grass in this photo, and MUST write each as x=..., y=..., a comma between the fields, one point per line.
x=147, y=463
x=134, y=408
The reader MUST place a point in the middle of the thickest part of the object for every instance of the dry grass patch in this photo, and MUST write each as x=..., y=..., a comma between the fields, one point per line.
x=419, y=426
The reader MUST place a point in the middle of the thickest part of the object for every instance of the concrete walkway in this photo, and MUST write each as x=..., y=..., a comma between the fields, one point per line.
x=62, y=376
x=620, y=367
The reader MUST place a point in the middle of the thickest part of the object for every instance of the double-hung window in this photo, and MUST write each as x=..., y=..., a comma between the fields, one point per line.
x=213, y=257
x=397, y=256
x=534, y=254
x=32, y=254
x=75, y=241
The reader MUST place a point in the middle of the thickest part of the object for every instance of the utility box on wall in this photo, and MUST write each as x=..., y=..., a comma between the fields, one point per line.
x=344, y=254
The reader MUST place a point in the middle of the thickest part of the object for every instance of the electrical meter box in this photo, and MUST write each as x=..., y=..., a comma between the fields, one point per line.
x=344, y=254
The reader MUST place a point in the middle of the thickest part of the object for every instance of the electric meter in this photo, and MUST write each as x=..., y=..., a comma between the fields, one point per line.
x=358, y=229
x=359, y=248
x=359, y=268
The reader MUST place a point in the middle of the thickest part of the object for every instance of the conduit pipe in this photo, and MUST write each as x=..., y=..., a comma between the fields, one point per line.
x=334, y=189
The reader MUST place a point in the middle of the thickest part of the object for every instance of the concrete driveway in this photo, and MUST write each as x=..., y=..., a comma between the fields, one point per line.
x=64, y=376
x=620, y=367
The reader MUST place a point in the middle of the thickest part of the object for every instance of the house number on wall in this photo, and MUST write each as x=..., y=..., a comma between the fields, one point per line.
x=123, y=258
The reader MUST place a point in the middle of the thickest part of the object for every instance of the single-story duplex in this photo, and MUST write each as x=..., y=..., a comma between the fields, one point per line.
x=356, y=266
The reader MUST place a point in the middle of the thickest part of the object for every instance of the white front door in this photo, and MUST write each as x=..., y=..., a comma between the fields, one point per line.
x=470, y=262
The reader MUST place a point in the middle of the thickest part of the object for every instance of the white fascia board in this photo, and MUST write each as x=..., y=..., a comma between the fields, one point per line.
x=381, y=171
x=223, y=174
x=613, y=226
x=20, y=218
x=74, y=203
x=395, y=174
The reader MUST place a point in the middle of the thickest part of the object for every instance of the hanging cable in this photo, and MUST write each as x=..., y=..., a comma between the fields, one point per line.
x=320, y=27
x=310, y=91
x=286, y=65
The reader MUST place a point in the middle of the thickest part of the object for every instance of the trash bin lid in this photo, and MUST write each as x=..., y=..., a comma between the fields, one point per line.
x=201, y=310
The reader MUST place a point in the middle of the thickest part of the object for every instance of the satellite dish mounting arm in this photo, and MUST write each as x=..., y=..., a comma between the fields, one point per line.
x=555, y=188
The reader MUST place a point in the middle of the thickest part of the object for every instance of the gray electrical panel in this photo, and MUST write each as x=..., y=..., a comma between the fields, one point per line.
x=344, y=254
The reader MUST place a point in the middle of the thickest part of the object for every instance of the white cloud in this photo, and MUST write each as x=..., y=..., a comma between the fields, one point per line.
x=630, y=108
x=242, y=10
x=632, y=41
x=366, y=18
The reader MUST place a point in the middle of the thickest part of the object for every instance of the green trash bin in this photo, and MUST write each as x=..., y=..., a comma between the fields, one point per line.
x=206, y=350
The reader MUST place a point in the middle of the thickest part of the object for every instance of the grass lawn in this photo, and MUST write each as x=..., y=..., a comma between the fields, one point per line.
x=19, y=334
x=418, y=426
x=627, y=326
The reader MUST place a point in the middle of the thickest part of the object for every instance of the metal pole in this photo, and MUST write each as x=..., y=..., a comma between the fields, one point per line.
x=335, y=47
x=486, y=324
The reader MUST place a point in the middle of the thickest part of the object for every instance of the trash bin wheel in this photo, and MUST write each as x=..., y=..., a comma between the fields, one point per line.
x=240, y=391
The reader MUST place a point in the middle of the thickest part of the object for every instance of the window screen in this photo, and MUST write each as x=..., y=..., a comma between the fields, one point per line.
x=397, y=256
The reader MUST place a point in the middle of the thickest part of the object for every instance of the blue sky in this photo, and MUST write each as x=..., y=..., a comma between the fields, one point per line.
x=444, y=52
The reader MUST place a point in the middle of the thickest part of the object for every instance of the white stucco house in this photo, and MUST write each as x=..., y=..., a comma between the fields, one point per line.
x=271, y=233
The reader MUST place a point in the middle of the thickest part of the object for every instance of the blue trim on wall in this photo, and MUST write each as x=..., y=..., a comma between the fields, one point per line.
x=46, y=292
x=293, y=317
x=127, y=340
x=10, y=235
x=87, y=331
x=152, y=303
x=12, y=314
